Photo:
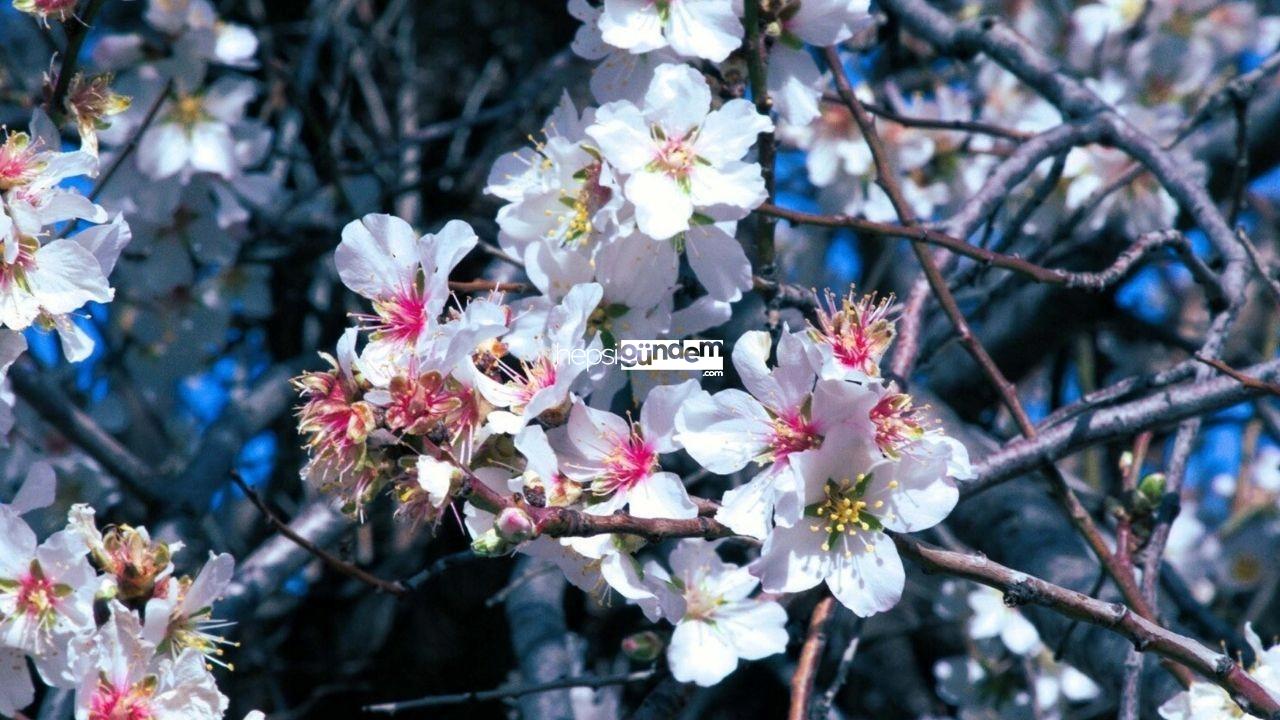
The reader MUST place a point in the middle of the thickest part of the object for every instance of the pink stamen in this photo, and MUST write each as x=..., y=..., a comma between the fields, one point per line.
x=36, y=593
x=792, y=433
x=112, y=703
x=897, y=423
x=401, y=318
x=676, y=157
x=632, y=460
x=17, y=161
x=858, y=332
x=538, y=375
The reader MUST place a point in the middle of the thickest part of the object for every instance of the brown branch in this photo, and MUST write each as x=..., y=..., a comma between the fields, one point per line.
x=333, y=561
x=757, y=73
x=918, y=235
x=510, y=691
x=1248, y=381
x=470, y=286
x=810, y=655
x=1022, y=589
x=966, y=126
x=1092, y=281
x=886, y=178
x=565, y=522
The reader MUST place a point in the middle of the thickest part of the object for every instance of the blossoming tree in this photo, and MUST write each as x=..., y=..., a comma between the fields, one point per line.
x=213, y=213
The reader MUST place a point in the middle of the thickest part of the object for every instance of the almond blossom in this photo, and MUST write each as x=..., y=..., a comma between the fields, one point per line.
x=45, y=9
x=619, y=460
x=852, y=492
x=795, y=82
x=122, y=677
x=405, y=275
x=195, y=133
x=560, y=191
x=731, y=429
x=679, y=155
x=694, y=28
x=992, y=618
x=618, y=73
x=182, y=619
x=542, y=383
x=717, y=622
x=46, y=600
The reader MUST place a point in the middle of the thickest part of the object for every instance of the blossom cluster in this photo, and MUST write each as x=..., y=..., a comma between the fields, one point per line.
x=45, y=276
x=628, y=219
x=429, y=394
x=103, y=612
x=446, y=393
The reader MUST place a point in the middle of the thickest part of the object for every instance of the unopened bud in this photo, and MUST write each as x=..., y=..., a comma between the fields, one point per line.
x=514, y=525
x=1151, y=490
x=643, y=646
x=1126, y=462
x=490, y=545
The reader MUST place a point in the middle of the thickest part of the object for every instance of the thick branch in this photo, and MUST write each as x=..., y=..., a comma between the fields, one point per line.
x=1022, y=589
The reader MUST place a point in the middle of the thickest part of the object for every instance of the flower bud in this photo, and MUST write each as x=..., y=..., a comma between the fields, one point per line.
x=490, y=545
x=1151, y=491
x=514, y=525
x=643, y=646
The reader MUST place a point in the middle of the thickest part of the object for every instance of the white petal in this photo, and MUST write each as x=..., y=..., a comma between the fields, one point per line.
x=622, y=134
x=662, y=207
x=795, y=83
x=756, y=629
x=867, y=579
x=734, y=187
x=924, y=495
x=378, y=255
x=718, y=261
x=723, y=432
x=37, y=490
x=164, y=150
x=632, y=25
x=1019, y=635
x=227, y=97
x=729, y=132
x=661, y=495
x=748, y=509
x=658, y=415
x=66, y=277
x=16, y=689
x=213, y=150
x=792, y=560
x=700, y=654
x=677, y=100
x=704, y=28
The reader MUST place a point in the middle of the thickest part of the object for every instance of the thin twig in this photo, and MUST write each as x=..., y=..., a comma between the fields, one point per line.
x=1079, y=515
x=810, y=655
x=966, y=126
x=1248, y=381
x=842, y=671
x=342, y=566
x=509, y=691
x=132, y=144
